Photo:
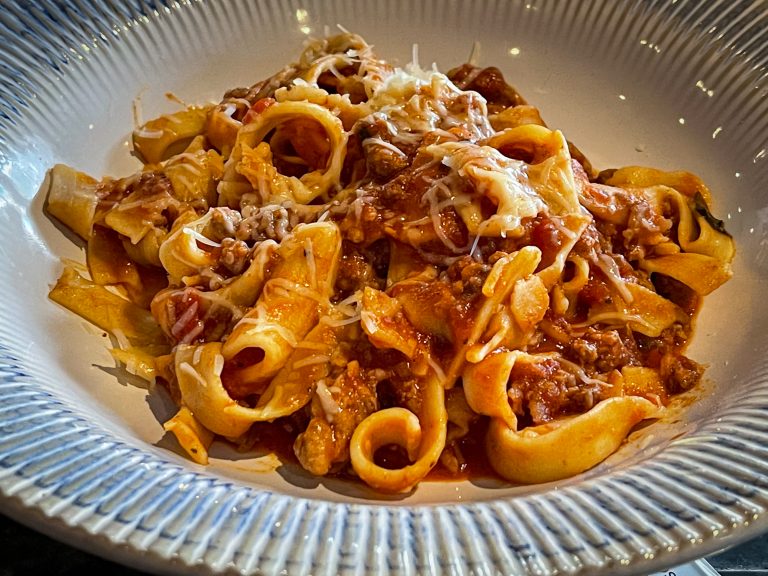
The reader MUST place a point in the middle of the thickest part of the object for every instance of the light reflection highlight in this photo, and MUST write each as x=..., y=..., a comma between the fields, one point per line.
x=302, y=17
x=708, y=91
x=655, y=47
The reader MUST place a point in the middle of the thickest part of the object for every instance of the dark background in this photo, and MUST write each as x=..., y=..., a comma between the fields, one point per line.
x=24, y=551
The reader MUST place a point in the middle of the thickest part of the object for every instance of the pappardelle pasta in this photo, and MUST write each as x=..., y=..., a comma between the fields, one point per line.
x=395, y=270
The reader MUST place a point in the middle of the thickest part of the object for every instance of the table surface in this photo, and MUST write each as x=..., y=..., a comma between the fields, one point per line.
x=28, y=552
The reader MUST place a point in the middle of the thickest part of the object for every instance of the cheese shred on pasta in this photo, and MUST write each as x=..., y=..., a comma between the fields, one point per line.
x=396, y=269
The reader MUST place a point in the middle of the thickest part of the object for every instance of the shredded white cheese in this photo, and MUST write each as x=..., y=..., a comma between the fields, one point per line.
x=190, y=371
x=122, y=340
x=289, y=287
x=330, y=407
x=611, y=270
x=264, y=326
x=339, y=322
x=148, y=134
x=309, y=345
x=181, y=322
x=311, y=361
x=309, y=252
x=200, y=238
x=218, y=363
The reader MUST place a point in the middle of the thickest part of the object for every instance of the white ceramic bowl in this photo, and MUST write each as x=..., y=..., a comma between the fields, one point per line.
x=679, y=85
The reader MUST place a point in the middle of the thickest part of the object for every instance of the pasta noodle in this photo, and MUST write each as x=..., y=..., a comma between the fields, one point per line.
x=395, y=270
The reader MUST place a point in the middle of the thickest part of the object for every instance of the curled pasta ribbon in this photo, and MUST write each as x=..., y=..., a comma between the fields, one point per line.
x=529, y=302
x=566, y=447
x=105, y=309
x=329, y=63
x=700, y=272
x=287, y=308
x=385, y=325
x=198, y=372
x=310, y=185
x=514, y=324
x=503, y=180
x=339, y=104
x=697, y=234
x=422, y=437
x=642, y=177
x=192, y=436
x=580, y=276
x=549, y=171
x=181, y=253
x=336, y=53
x=245, y=288
x=72, y=199
x=497, y=288
x=169, y=134
x=109, y=264
x=228, y=303
x=222, y=129
x=485, y=386
x=707, y=250
x=291, y=388
x=515, y=116
x=647, y=313
x=705, y=262
x=195, y=172
x=572, y=226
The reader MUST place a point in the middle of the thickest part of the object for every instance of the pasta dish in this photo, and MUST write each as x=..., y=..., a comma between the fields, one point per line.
x=392, y=270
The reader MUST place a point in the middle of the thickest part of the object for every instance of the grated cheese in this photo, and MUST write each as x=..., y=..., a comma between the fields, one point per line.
x=439, y=372
x=190, y=371
x=289, y=287
x=311, y=361
x=216, y=300
x=478, y=354
x=199, y=237
x=611, y=270
x=578, y=371
x=330, y=407
x=218, y=363
x=149, y=134
x=368, y=320
x=384, y=144
x=339, y=322
x=122, y=340
x=183, y=320
x=190, y=336
x=309, y=252
x=264, y=326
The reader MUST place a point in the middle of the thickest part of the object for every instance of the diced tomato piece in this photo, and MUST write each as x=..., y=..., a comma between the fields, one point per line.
x=257, y=108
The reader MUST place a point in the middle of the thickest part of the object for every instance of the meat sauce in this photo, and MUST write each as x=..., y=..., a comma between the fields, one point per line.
x=395, y=230
x=389, y=211
x=539, y=393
